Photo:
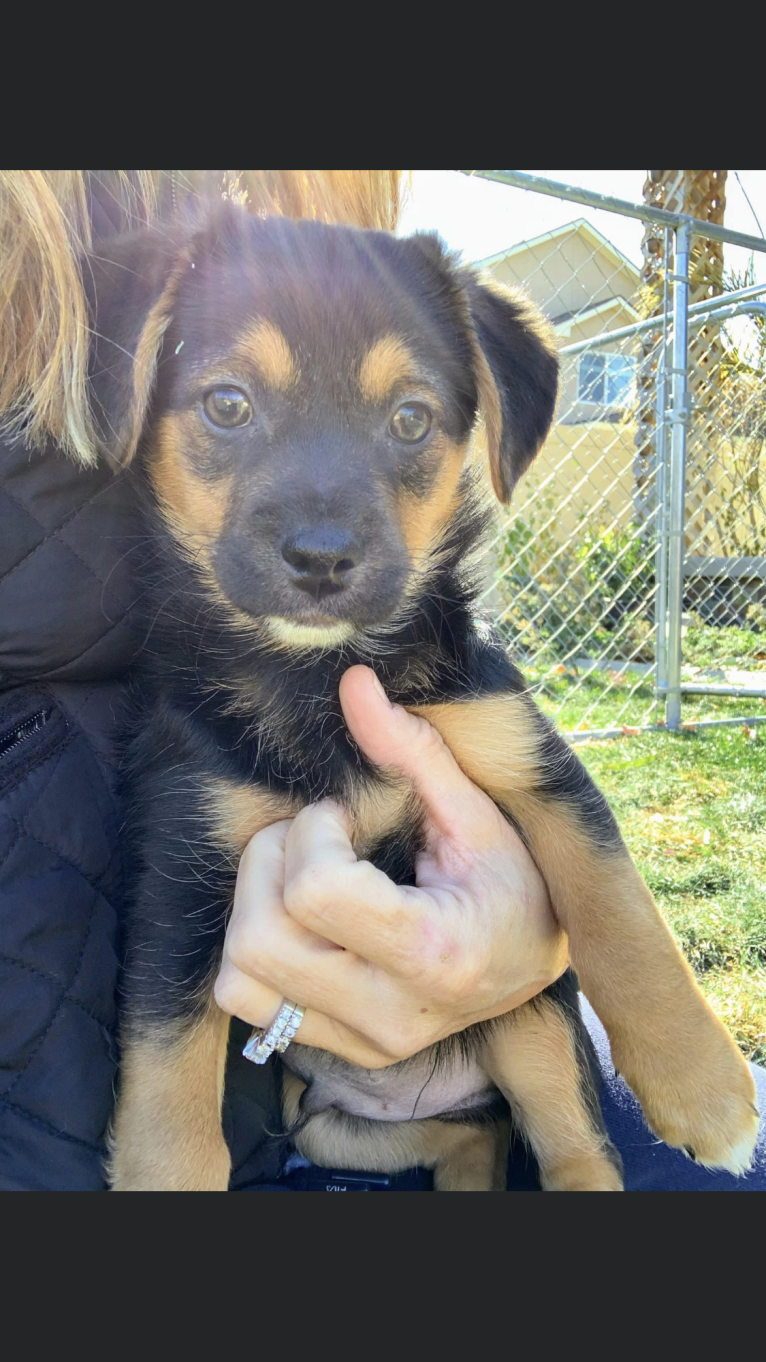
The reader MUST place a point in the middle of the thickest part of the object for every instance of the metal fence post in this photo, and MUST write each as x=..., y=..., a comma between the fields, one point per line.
x=679, y=422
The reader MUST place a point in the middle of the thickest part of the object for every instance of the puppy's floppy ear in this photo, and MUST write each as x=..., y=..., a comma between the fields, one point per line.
x=517, y=377
x=131, y=283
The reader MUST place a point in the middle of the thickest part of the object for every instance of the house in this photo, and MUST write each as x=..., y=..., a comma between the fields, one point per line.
x=586, y=479
x=586, y=287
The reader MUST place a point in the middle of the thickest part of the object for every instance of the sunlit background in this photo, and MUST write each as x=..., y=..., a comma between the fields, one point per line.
x=479, y=217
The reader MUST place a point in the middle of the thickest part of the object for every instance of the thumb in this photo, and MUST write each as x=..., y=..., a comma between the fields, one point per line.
x=389, y=736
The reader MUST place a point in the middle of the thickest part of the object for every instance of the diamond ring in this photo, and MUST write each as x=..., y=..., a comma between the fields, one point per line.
x=276, y=1039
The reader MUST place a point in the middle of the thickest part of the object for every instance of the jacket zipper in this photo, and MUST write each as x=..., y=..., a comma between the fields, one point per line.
x=25, y=730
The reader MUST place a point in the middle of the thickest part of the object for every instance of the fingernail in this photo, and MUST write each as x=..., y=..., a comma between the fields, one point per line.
x=381, y=691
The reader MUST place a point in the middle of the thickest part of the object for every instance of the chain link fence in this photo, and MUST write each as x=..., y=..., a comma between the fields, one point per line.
x=630, y=574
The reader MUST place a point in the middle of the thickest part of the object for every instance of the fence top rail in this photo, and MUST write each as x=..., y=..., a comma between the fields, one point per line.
x=521, y=179
x=720, y=309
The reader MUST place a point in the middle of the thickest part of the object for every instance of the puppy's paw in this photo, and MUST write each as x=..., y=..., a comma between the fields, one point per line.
x=699, y=1098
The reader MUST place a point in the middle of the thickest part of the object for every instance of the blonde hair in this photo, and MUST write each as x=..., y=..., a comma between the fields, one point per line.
x=44, y=230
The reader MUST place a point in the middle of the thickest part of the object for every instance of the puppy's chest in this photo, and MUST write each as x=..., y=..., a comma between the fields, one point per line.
x=386, y=817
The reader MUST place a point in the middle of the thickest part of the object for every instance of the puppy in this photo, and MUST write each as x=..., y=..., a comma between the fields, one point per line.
x=302, y=400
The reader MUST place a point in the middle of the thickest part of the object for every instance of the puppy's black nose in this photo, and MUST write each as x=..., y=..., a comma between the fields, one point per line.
x=321, y=558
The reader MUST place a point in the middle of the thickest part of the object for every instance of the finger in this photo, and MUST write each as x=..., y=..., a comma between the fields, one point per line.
x=295, y=953
x=320, y=836
x=268, y=957
x=323, y=1033
x=326, y=1024
x=390, y=736
x=264, y=854
x=246, y=998
x=346, y=901
x=259, y=890
x=259, y=929
x=265, y=948
x=259, y=1006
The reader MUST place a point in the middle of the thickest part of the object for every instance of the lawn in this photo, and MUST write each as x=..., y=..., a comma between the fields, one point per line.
x=576, y=698
x=692, y=808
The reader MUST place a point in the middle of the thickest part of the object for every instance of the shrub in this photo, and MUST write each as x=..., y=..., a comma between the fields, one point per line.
x=592, y=594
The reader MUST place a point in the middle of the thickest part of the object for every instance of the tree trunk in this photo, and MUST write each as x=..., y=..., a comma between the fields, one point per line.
x=700, y=193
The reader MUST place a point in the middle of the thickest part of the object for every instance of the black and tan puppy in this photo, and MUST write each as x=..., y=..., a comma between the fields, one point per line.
x=304, y=399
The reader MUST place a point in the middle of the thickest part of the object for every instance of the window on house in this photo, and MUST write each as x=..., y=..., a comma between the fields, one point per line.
x=605, y=379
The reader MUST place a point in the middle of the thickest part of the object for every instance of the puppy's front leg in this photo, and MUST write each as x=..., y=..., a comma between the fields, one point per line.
x=166, y=1134
x=691, y=1080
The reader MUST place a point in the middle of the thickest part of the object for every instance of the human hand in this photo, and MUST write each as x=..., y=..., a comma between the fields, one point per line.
x=385, y=971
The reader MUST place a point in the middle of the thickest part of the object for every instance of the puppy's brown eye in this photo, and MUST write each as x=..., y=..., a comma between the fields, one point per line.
x=228, y=407
x=411, y=423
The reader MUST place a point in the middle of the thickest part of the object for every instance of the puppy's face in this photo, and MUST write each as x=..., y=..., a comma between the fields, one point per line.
x=309, y=418
x=314, y=405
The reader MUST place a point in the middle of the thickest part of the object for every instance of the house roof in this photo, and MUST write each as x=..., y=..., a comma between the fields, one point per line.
x=580, y=227
x=566, y=320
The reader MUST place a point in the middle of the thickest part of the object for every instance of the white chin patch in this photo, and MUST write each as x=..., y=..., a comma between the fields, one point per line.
x=304, y=636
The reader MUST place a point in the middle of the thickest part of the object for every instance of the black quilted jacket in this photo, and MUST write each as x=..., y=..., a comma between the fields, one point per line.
x=69, y=634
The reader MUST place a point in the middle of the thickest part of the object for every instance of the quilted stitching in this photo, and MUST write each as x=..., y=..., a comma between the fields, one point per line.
x=76, y=535
x=62, y=1071
x=106, y=1026
x=56, y=1014
x=20, y=829
x=94, y=709
x=83, y=653
x=50, y=1129
x=55, y=533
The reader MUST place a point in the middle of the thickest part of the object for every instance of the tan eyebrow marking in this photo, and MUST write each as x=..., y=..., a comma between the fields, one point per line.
x=386, y=363
x=265, y=346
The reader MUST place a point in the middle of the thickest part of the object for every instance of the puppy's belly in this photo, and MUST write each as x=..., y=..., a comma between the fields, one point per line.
x=391, y=1094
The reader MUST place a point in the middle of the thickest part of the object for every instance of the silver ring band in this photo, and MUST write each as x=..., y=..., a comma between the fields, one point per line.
x=276, y=1039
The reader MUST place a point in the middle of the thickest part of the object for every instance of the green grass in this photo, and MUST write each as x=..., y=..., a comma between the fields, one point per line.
x=610, y=699
x=692, y=808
